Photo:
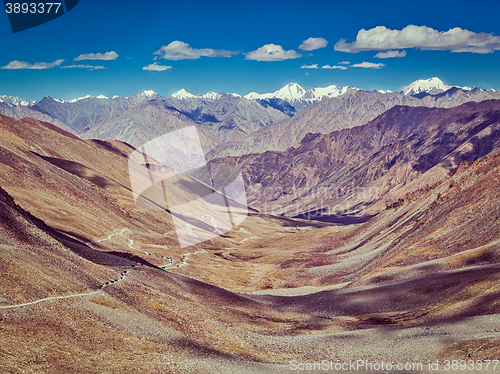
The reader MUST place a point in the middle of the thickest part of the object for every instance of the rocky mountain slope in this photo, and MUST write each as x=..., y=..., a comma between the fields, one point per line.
x=147, y=121
x=83, y=113
x=369, y=162
x=21, y=111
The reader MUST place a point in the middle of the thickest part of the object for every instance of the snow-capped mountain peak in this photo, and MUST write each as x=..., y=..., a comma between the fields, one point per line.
x=319, y=93
x=291, y=91
x=210, y=95
x=431, y=86
x=149, y=93
x=182, y=94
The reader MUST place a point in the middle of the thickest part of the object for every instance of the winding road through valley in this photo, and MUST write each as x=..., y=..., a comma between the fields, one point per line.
x=119, y=232
x=99, y=290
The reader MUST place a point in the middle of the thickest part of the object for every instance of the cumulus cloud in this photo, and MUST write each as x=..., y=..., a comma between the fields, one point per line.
x=333, y=67
x=14, y=65
x=272, y=52
x=91, y=67
x=156, y=67
x=368, y=65
x=344, y=63
x=178, y=50
x=313, y=43
x=456, y=39
x=108, y=56
x=313, y=66
x=390, y=54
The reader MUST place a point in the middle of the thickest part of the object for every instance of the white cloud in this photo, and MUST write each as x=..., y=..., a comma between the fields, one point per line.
x=272, y=52
x=391, y=54
x=381, y=38
x=313, y=66
x=14, y=65
x=178, y=50
x=156, y=67
x=108, y=56
x=368, y=65
x=344, y=63
x=313, y=43
x=333, y=67
x=91, y=67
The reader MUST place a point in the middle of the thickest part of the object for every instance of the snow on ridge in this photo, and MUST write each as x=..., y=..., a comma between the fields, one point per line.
x=431, y=85
x=81, y=98
x=15, y=101
x=290, y=91
x=149, y=93
x=293, y=91
x=77, y=99
x=256, y=96
x=183, y=94
x=210, y=95
x=319, y=93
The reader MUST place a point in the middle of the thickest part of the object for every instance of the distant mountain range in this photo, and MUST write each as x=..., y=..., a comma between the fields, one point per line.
x=232, y=124
x=353, y=108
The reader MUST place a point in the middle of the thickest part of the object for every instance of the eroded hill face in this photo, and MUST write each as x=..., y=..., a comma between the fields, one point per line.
x=86, y=274
x=363, y=169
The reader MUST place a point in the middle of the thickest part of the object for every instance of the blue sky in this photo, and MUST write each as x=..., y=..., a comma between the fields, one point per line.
x=117, y=47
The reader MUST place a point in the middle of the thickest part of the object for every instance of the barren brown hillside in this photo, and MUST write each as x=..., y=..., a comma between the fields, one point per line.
x=367, y=167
